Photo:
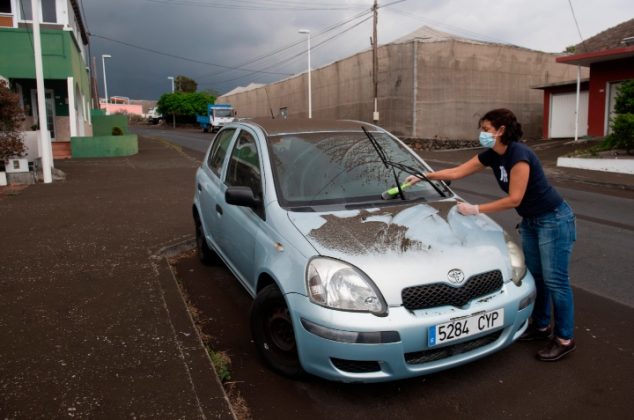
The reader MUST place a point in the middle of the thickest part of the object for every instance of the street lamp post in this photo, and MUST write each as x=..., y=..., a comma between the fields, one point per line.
x=173, y=115
x=310, y=99
x=105, y=82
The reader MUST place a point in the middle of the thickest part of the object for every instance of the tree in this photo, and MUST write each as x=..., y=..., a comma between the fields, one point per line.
x=184, y=105
x=185, y=84
x=622, y=136
x=624, y=103
x=11, y=117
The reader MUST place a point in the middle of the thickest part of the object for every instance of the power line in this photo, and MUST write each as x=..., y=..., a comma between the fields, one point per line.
x=250, y=61
x=572, y=10
x=249, y=5
x=293, y=44
x=452, y=28
x=177, y=56
x=303, y=52
x=268, y=55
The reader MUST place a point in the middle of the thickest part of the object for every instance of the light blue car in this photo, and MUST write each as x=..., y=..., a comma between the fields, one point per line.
x=353, y=282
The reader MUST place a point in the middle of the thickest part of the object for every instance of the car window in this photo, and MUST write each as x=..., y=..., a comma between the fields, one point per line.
x=219, y=150
x=313, y=169
x=244, y=164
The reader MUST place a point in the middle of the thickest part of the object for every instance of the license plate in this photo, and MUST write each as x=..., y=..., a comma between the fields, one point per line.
x=464, y=327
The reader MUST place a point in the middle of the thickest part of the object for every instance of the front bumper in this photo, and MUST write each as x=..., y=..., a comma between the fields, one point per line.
x=395, y=346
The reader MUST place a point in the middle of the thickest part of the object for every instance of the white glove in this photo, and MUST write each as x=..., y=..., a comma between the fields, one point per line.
x=467, y=209
x=413, y=179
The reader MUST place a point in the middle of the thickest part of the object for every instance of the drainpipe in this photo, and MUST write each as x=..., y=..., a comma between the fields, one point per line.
x=415, y=86
x=577, y=103
x=72, y=115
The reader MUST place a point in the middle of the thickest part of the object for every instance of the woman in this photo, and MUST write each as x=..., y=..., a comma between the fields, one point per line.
x=547, y=228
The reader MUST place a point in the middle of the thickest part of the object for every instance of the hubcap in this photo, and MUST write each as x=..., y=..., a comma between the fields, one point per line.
x=280, y=329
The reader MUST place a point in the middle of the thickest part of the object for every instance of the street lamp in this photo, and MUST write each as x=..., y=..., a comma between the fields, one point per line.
x=310, y=99
x=173, y=115
x=105, y=83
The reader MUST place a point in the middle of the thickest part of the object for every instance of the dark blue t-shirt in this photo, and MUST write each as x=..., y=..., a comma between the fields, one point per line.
x=540, y=196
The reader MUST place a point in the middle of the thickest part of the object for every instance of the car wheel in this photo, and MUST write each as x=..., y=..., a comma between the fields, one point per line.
x=272, y=331
x=206, y=255
x=205, y=129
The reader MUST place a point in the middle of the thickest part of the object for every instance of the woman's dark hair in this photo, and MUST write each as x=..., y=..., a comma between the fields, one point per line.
x=504, y=117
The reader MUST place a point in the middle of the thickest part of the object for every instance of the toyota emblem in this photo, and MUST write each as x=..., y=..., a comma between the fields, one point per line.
x=455, y=276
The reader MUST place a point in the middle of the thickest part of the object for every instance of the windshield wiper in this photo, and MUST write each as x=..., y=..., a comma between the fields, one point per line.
x=381, y=152
x=402, y=167
x=420, y=175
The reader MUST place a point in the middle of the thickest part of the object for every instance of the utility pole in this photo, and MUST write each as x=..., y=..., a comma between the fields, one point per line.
x=375, y=63
x=93, y=84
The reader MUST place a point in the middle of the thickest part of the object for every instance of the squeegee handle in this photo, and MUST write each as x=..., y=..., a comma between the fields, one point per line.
x=394, y=191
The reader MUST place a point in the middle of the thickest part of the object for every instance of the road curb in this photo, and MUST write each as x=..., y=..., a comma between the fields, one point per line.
x=210, y=395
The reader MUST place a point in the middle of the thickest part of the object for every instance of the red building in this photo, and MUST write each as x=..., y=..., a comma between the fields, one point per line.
x=610, y=58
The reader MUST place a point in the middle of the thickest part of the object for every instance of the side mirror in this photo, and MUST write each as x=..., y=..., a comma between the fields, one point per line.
x=242, y=196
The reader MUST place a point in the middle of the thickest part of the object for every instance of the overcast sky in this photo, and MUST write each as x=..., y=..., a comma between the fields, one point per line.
x=196, y=38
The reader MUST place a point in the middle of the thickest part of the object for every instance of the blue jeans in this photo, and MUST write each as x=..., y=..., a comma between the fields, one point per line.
x=547, y=241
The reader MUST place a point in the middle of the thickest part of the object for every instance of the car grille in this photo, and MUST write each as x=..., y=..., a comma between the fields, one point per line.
x=441, y=294
x=356, y=366
x=427, y=356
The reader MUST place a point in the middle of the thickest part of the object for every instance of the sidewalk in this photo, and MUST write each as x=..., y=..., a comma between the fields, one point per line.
x=92, y=322
x=548, y=151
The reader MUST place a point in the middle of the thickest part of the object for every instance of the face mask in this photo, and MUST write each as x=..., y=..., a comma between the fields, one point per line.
x=487, y=139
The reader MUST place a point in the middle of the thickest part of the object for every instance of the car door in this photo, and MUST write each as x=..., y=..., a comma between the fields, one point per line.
x=240, y=225
x=210, y=188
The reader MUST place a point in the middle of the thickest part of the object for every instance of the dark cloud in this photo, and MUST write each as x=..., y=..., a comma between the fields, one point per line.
x=231, y=37
x=221, y=36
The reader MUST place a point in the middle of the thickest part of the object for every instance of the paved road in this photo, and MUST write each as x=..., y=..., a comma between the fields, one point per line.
x=602, y=262
x=191, y=139
x=592, y=383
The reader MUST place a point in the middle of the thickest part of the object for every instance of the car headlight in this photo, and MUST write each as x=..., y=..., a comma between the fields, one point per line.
x=337, y=285
x=518, y=265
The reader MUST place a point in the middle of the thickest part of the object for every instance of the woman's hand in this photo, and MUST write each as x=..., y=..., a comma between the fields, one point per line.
x=467, y=209
x=412, y=179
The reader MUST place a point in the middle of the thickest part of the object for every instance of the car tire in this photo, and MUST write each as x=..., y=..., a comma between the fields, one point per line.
x=205, y=129
x=205, y=254
x=272, y=331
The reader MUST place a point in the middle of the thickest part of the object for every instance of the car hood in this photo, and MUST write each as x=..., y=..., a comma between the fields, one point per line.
x=407, y=245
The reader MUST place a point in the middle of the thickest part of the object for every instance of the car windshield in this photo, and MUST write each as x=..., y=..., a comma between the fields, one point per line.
x=222, y=113
x=312, y=169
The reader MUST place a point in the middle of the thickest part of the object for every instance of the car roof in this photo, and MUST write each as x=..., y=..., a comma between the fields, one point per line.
x=277, y=126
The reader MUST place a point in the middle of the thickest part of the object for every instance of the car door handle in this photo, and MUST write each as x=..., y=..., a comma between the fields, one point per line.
x=199, y=187
x=218, y=209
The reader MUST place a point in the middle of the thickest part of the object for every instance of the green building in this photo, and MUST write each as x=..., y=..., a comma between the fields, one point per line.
x=65, y=66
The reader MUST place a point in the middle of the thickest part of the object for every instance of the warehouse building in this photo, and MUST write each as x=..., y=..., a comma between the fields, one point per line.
x=431, y=85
